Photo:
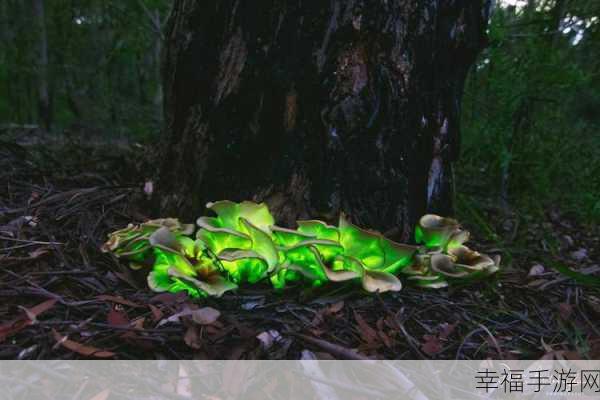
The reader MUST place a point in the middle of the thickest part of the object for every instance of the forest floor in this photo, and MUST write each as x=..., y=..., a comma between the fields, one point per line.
x=61, y=297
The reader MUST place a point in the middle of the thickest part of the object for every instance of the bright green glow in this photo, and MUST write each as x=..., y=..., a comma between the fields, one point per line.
x=138, y=250
x=319, y=230
x=287, y=237
x=244, y=266
x=431, y=239
x=261, y=243
x=284, y=275
x=159, y=280
x=229, y=214
x=307, y=261
x=361, y=244
x=217, y=241
x=397, y=256
x=167, y=259
x=328, y=250
x=241, y=244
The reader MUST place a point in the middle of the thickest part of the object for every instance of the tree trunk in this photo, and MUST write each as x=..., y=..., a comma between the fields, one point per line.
x=317, y=107
x=157, y=50
x=44, y=107
x=557, y=15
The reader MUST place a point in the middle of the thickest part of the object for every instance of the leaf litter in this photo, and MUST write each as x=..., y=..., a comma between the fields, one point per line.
x=60, y=297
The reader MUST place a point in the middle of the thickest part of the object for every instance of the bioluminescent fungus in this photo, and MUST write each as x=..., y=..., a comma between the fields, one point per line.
x=242, y=244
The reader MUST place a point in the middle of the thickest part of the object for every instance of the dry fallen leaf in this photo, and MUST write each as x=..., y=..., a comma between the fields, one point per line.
x=446, y=330
x=267, y=338
x=118, y=300
x=192, y=338
x=335, y=307
x=12, y=327
x=565, y=310
x=431, y=345
x=157, y=314
x=201, y=316
x=579, y=255
x=117, y=318
x=205, y=315
x=148, y=188
x=80, y=348
x=536, y=270
x=567, y=241
x=368, y=334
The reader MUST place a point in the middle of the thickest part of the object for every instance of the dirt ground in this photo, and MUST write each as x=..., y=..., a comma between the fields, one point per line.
x=61, y=298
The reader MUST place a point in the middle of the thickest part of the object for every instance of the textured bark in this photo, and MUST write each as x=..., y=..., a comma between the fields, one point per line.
x=317, y=107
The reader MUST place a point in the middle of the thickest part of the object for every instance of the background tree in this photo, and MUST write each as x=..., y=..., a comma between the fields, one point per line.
x=312, y=107
x=528, y=119
x=44, y=109
x=98, y=60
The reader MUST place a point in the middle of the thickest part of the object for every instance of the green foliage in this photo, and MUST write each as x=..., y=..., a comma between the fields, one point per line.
x=528, y=123
x=242, y=244
x=103, y=64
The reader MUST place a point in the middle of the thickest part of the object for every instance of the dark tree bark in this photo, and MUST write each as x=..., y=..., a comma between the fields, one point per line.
x=317, y=107
x=44, y=106
x=557, y=14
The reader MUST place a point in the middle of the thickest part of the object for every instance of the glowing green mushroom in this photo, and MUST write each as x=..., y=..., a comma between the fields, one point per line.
x=242, y=244
x=319, y=230
x=397, y=256
x=475, y=263
x=229, y=214
x=244, y=265
x=307, y=261
x=361, y=244
x=438, y=232
x=261, y=243
x=444, y=265
x=132, y=242
x=379, y=281
x=288, y=237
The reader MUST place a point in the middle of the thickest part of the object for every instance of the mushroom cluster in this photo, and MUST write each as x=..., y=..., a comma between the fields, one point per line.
x=242, y=244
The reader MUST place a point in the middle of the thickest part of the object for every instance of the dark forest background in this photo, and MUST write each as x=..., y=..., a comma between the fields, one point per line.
x=530, y=123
